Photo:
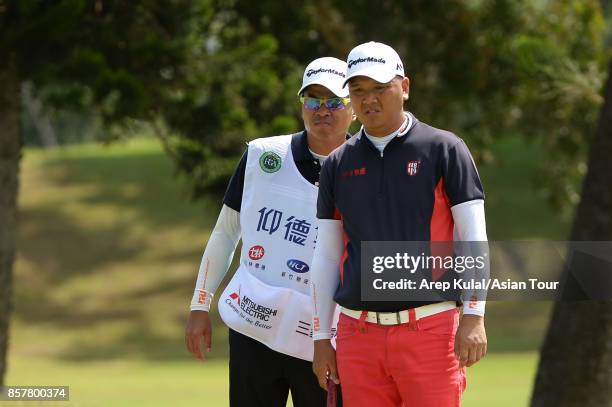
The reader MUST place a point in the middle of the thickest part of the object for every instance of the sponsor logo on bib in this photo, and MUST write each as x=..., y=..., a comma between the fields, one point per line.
x=270, y=162
x=298, y=266
x=251, y=311
x=236, y=296
x=296, y=230
x=256, y=252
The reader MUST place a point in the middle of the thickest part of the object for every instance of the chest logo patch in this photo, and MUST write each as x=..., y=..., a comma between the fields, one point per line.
x=355, y=172
x=270, y=162
x=412, y=168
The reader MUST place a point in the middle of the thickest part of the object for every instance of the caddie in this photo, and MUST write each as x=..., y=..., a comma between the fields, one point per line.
x=270, y=204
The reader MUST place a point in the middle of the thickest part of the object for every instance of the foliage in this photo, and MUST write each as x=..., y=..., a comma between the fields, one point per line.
x=212, y=74
x=483, y=69
x=560, y=91
x=119, y=59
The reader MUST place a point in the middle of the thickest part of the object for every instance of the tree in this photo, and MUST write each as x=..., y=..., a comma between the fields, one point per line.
x=484, y=70
x=122, y=58
x=193, y=69
x=10, y=147
x=576, y=358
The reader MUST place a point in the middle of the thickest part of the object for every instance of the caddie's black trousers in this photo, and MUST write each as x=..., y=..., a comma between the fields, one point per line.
x=262, y=377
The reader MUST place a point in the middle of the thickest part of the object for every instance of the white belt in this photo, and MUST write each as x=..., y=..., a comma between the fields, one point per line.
x=401, y=317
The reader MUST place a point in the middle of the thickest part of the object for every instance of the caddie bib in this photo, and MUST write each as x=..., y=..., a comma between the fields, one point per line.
x=268, y=298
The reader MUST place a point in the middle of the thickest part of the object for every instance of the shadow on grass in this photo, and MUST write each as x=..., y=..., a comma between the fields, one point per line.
x=144, y=183
x=143, y=342
x=59, y=249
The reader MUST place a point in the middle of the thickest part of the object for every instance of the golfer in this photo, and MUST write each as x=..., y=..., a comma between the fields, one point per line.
x=397, y=179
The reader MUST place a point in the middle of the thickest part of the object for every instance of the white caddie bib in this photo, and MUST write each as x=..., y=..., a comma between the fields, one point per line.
x=268, y=299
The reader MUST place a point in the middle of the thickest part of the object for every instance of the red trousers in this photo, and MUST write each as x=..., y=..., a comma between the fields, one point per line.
x=409, y=365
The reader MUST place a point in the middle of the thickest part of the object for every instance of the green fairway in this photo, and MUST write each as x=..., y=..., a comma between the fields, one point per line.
x=108, y=249
x=500, y=380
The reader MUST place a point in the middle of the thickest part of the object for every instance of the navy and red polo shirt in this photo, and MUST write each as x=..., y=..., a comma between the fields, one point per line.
x=402, y=194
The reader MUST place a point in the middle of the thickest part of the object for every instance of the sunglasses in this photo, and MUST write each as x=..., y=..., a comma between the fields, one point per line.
x=331, y=103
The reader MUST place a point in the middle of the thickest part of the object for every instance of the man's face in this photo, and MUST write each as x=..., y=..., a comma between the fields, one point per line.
x=379, y=106
x=324, y=122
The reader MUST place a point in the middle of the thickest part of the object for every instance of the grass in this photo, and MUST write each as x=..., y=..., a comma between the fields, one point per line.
x=109, y=244
x=500, y=380
x=129, y=382
x=116, y=238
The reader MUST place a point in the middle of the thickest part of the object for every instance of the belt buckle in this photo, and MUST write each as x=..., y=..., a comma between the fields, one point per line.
x=397, y=317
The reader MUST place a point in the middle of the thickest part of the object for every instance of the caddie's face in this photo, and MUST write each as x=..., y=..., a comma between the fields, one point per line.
x=379, y=106
x=323, y=121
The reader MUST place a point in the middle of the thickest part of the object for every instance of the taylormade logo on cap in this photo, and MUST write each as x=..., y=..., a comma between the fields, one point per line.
x=353, y=62
x=317, y=71
x=328, y=72
x=374, y=60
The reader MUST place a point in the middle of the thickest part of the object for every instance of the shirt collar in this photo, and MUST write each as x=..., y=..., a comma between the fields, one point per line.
x=411, y=121
x=299, y=147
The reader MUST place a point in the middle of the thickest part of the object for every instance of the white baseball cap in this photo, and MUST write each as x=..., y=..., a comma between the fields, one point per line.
x=329, y=72
x=374, y=60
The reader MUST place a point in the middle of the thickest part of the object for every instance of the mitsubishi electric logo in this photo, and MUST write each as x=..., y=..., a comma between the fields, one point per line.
x=326, y=70
x=236, y=296
x=357, y=61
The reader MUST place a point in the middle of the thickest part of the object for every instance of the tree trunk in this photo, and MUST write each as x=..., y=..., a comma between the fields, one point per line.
x=33, y=105
x=10, y=154
x=576, y=358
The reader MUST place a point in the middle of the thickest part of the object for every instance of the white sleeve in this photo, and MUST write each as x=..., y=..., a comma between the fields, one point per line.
x=217, y=258
x=325, y=276
x=470, y=226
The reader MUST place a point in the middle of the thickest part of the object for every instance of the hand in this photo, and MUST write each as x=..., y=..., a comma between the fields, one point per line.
x=471, y=340
x=324, y=362
x=198, y=327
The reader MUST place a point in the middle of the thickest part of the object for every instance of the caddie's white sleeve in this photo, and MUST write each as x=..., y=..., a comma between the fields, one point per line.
x=217, y=258
x=325, y=276
x=470, y=225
